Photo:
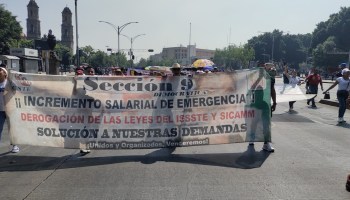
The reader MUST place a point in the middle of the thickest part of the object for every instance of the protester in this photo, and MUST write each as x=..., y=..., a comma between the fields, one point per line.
x=293, y=80
x=271, y=70
x=207, y=71
x=340, y=70
x=3, y=82
x=91, y=72
x=117, y=72
x=313, y=80
x=79, y=72
x=342, y=92
x=285, y=75
x=176, y=69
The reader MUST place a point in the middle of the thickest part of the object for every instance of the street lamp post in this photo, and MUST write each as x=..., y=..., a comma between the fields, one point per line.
x=273, y=46
x=76, y=33
x=132, y=39
x=118, y=29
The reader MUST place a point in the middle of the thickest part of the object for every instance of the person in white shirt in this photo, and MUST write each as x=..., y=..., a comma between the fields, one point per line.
x=293, y=80
x=3, y=82
x=342, y=92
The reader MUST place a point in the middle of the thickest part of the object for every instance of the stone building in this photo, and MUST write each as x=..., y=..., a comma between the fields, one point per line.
x=33, y=25
x=67, y=29
x=183, y=55
x=33, y=22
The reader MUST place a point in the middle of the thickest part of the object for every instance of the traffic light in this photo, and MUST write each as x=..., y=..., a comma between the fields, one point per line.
x=133, y=57
x=150, y=50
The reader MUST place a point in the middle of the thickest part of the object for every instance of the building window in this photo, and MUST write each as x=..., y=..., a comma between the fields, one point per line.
x=32, y=30
x=66, y=33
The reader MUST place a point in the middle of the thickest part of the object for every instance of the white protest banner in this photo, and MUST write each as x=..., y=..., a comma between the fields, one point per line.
x=290, y=92
x=106, y=112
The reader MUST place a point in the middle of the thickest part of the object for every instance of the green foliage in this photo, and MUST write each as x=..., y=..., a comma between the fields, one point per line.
x=21, y=43
x=323, y=56
x=330, y=37
x=64, y=54
x=164, y=62
x=10, y=30
x=233, y=57
x=61, y=49
x=324, y=44
x=289, y=48
x=87, y=50
x=122, y=60
x=99, y=58
x=142, y=63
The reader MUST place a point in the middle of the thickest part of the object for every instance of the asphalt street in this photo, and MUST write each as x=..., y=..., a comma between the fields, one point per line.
x=311, y=161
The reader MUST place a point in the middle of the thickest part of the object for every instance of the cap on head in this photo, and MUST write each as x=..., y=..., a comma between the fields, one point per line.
x=342, y=65
x=345, y=70
x=176, y=66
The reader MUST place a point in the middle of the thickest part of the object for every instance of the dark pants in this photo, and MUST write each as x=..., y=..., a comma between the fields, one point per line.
x=291, y=104
x=342, y=96
x=2, y=121
x=313, y=90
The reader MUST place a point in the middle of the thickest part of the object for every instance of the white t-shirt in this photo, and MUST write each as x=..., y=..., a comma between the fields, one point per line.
x=343, y=84
x=294, y=80
x=2, y=100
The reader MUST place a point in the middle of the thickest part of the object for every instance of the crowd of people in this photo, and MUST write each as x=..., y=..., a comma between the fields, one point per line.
x=145, y=71
x=313, y=80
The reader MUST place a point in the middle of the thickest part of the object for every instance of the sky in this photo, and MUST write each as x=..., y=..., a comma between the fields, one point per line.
x=210, y=24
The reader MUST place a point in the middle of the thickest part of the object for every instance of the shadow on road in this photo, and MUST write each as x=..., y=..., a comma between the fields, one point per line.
x=246, y=160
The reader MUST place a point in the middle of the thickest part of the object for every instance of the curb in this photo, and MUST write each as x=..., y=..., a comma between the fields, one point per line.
x=333, y=103
x=330, y=103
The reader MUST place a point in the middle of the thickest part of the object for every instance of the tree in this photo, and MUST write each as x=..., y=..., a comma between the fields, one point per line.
x=288, y=48
x=164, y=62
x=233, y=57
x=330, y=37
x=142, y=63
x=64, y=53
x=323, y=56
x=121, y=59
x=22, y=43
x=61, y=49
x=88, y=50
x=10, y=30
